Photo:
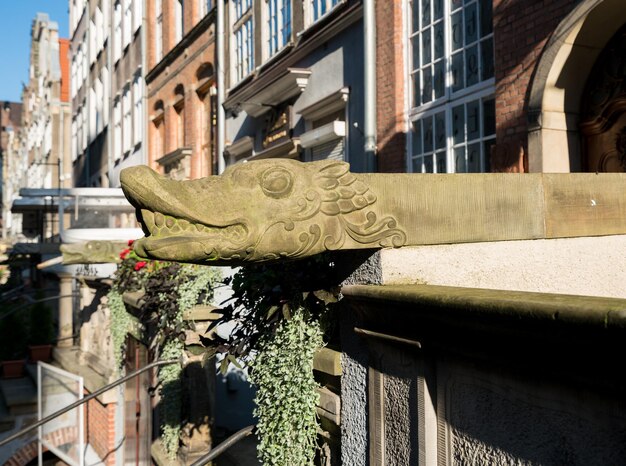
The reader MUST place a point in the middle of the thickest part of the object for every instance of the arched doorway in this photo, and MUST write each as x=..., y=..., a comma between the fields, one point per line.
x=558, y=89
x=603, y=110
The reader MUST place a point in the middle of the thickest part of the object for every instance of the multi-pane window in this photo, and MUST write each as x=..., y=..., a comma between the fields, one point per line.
x=179, y=16
x=279, y=24
x=117, y=132
x=451, y=75
x=320, y=7
x=138, y=110
x=158, y=30
x=204, y=6
x=117, y=32
x=243, y=38
x=137, y=14
x=126, y=122
x=128, y=18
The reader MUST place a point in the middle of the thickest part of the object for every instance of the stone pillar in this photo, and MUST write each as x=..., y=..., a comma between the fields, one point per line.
x=66, y=311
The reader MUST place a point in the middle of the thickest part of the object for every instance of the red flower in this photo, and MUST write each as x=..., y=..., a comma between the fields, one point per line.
x=130, y=242
x=124, y=253
x=140, y=265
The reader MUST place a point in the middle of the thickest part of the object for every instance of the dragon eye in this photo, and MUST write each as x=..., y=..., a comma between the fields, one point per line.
x=276, y=182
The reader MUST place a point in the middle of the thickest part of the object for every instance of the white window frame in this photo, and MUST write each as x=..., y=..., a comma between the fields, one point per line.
x=158, y=30
x=278, y=27
x=448, y=98
x=117, y=31
x=315, y=10
x=179, y=20
x=126, y=120
x=242, y=39
x=128, y=23
x=137, y=110
x=137, y=14
x=117, y=132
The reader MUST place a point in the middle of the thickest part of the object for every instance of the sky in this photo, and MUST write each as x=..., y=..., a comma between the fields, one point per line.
x=16, y=17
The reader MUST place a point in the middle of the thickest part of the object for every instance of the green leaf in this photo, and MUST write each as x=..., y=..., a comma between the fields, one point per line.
x=286, y=311
x=326, y=296
x=272, y=310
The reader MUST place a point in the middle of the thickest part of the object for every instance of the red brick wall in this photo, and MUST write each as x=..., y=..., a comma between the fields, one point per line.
x=100, y=424
x=390, y=113
x=182, y=71
x=521, y=30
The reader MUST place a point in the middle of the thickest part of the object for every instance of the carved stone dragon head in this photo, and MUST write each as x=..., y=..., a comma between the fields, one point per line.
x=257, y=211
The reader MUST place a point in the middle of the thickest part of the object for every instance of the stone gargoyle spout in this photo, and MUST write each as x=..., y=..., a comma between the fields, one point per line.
x=258, y=211
x=92, y=252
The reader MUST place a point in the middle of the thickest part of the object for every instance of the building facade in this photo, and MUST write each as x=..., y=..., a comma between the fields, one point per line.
x=499, y=86
x=294, y=81
x=181, y=87
x=107, y=89
x=10, y=121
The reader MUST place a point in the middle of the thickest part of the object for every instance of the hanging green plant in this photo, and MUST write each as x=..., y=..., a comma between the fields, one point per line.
x=281, y=314
x=169, y=289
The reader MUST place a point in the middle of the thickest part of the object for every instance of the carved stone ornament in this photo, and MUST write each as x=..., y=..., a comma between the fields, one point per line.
x=92, y=252
x=258, y=211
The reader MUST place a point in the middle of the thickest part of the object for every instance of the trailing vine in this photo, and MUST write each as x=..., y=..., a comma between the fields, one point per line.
x=287, y=397
x=169, y=289
x=281, y=315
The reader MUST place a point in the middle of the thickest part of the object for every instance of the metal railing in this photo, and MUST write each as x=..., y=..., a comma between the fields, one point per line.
x=95, y=394
x=225, y=445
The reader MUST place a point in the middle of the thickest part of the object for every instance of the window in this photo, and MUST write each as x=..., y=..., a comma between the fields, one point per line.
x=179, y=15
x=127, y=122
x=179, y=107
x=451, y=76
x=74, y=140
x=117, y=133
x=137, y=14
x=128, y=17
x=105, y=84
x=117, y=33
x=92, y=41
x=204, y=6
x=319, y=8
x=138, y=110
x=243, y=37
x=278, y=24
x=99, y=105
x=99, y=29
x=158, y=34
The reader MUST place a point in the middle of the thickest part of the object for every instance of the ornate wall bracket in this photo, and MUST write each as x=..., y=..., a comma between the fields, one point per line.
x=280, y=209
x=92, y=252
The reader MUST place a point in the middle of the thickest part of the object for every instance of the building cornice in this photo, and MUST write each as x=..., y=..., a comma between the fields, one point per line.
x=180, y=47
x=309, y=40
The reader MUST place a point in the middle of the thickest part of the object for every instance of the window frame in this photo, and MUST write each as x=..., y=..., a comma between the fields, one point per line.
x=277, y=27
x=451, y=98
x=243, y=15
x=158, y=30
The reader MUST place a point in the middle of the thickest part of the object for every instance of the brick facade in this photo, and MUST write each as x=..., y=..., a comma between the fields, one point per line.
x=521, y=30
x=179, y=96
x=390, y=114
x=100, y=433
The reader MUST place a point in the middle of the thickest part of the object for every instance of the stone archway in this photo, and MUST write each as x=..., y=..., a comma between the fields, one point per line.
x=557, y=89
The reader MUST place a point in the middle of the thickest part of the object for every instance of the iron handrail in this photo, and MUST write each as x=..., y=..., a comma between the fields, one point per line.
x=77, y=403
x=225, y=445
x=35, y=301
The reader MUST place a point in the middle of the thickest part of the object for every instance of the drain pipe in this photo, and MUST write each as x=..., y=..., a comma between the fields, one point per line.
x=369, y=31
x=221, y=131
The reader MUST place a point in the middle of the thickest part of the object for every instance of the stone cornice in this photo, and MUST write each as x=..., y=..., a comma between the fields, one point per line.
x=307, y=42
x=180, y=47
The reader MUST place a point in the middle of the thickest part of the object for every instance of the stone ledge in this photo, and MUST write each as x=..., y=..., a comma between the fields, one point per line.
x=473, y=303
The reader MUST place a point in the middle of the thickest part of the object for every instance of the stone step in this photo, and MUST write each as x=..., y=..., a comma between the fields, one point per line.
x=7, y=421
x=20, y=395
